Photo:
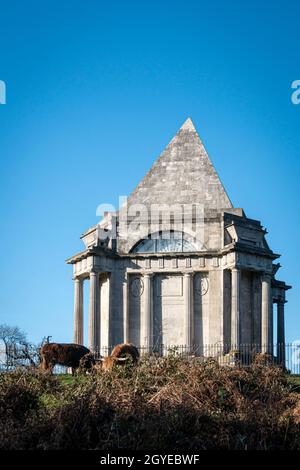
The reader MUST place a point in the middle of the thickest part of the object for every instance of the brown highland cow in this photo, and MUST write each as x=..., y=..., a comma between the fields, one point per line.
x=64, y=354
x=121, y=354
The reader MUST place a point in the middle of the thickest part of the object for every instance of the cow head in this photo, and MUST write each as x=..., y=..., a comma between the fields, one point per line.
x=87, y=362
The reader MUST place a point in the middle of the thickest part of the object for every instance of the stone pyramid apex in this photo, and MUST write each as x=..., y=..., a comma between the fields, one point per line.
x=188, y=125
x=182, y=174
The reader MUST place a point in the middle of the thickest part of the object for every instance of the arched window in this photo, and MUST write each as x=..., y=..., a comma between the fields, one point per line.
x=164, y=242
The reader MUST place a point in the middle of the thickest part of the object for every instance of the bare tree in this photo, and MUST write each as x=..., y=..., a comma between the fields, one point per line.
x=17, y=350
x=11, y=337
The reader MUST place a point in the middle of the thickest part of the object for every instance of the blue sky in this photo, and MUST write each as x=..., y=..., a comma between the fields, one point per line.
x=95, y=88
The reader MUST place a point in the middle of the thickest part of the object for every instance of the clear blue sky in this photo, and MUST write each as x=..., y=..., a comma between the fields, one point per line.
x=97, y=87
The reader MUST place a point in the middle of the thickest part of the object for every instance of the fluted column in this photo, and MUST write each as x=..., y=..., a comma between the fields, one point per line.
x=280, y=332
x=78, y=311
x=266, y=315
x=94, y=312
x=146, y=324
x=235, y=307
x=189, y=311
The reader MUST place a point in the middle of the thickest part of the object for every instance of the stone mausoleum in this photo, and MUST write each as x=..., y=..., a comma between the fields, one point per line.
x=166, y=283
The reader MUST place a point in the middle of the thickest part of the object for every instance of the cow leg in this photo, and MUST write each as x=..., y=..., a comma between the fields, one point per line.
x=42, y=364
x=45, y=365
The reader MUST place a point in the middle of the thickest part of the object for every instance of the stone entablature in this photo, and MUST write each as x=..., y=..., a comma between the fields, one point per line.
x=172, y=260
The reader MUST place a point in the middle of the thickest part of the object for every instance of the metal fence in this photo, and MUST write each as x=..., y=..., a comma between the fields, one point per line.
x=242, y=355
x=287, y=355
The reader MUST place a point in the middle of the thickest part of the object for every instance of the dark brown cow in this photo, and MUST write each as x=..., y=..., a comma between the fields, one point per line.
x=121, y=354
x=64, y=354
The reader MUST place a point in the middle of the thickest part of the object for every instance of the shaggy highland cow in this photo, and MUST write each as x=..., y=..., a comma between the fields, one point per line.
x=121, y=354
x=64, y=354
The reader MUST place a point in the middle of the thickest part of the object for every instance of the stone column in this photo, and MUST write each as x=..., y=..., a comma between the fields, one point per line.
x=189, y=311
x=146, y=323
x=235, y=308
x=280, y=333
x=125, y=312
x=94, y=312
x=78, y=311
x=266, y=315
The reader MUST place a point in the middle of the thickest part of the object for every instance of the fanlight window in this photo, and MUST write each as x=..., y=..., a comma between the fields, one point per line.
x=164, y=242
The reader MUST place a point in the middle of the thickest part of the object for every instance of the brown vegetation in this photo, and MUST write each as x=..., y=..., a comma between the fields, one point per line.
x=171, y=403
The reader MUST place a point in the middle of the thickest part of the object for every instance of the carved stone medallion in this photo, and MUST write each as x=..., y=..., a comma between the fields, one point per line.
x=202, y=285
x=137, y=287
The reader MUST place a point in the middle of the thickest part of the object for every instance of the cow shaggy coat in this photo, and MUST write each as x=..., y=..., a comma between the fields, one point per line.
x=64, y=354
x=121, y=354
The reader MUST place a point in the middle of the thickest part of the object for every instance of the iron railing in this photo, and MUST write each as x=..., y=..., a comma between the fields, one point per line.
x=242, y=355
x=287, y=355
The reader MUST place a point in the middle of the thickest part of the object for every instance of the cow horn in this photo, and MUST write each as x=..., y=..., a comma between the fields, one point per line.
x=121, y=359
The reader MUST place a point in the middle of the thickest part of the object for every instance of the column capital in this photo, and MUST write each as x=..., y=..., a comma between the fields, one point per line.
x=235, y=268
x=93, y=273
x=148, y=275
x=280, y=301
x=266, y=276
x=188, y=273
